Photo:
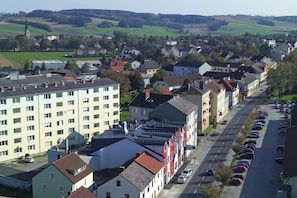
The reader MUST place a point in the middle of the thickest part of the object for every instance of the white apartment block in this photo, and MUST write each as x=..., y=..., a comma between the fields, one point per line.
x=38, y=113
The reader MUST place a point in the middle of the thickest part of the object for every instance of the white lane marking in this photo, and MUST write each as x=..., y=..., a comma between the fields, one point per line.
x=199, y=184
x=203, y=177
x=215, y=155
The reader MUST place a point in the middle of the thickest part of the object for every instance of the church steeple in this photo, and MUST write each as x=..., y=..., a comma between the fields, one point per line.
x=27, y=32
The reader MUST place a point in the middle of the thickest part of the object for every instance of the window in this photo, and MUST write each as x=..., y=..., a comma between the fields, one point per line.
x=105, y=97
x=59, y=104
x=115, y=121
x=44, y=187
x=106, y=115
x=16, y=100
x=48, y=124
x=86, y=136
x=51, y=176
x=31, y=147
x=18, y=150
x=115, y=87
x=30, y=128
x=96, y=116
x=71, y=111
x=105, y=106
x=126, y=195
x=3, y=112
x=16, y=110
x=70, y=93
x=96, y=99
x=60, y=132
x=96, y=125
x=107, y=194
x=3, y=122
x=86, y=126
x=60, y=113
x=105, y=88
x=71, y=139
x=30, y=108
x=96, y=108
x=47, y=115
x=47, y=96
x=86, y=118
x=106, y=123
x=87, y=91
x=115, y=113
x=17, y=130
x=3, y=153
x=31, y=137
x=59, y=95
x=86, y=109
x=71, y=102
x=5, y=142
x=115, y=96
x=16, y=120
x=17, y=140
x=86, y=100
x=70, y=130
x=48, y=134
x=118, y=183
x=96, y=90
x=71, y=120
x=3, y=101
x=60, y=123
x=116, y=104
x=4, y=132
x=47, y=106
x=30, y=118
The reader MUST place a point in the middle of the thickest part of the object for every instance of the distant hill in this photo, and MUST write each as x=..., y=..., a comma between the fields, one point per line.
x=104, y=22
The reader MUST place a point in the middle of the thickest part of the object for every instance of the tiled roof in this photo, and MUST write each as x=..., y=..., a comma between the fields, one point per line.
x=290, y=159
x=152, y=101
x=149, y=162
x=182, y=105
x=72, y=162
x=223, y=64
x=137, y=175
x=179, y=80
x=149, y=64
x=189, y=64
x=214, y=86
x=227, y=84
x=81, y=192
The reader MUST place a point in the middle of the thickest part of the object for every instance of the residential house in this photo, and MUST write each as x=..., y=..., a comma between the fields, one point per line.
x=181, y=111
x=89, y=51
x=135, y=65
x=81, y=192
x=117, y=64
x=170, y=50
x=218, y=99
x=176, y=82
x=149, y=67
x=232, y=90
x=66, y=110
x=223, y=66
x=281, y=51
x=141, y=177
x=143, y=103
x=248, y=86
x=198, y=94
x=253, y=71
x=183, y=68
x=63, y=176
x=189, y=49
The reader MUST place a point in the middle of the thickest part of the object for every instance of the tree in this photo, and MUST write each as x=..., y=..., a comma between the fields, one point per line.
x=159, y=75
x=223, y=174
x=236, y=147
x=85, y=68
x=122, y=79
x=27, y=65
x=44, y=44
x=72, y=66
x=211, y=192
x=136, y=82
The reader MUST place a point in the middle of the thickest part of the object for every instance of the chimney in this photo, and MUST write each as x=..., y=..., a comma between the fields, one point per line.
x=2, y=89
x=189, y=86
x=201, y=84
x=55, y=84
x=13, y=88
x=59, y=156
x=147, y=94
x=45, y=85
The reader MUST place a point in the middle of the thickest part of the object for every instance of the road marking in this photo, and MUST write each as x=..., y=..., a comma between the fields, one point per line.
x=199, y=184
x=218, y=150
x=223, y=143
x=195, y=191
x=203, y=177
x=209, y=165
x=216, y=155
x=227, y=135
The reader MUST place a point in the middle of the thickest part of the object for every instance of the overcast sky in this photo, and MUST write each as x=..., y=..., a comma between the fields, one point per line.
x=197, y=7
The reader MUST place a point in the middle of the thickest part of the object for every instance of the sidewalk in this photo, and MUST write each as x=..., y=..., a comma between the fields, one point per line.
x=171, y=190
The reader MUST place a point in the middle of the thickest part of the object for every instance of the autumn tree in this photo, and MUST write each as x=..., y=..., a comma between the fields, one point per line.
x=223, y=174
x=211, y=192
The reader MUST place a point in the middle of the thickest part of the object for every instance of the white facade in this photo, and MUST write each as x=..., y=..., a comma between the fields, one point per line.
x=36, y=118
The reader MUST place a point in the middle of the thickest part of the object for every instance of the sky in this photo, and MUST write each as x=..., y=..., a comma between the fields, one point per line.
x=184, y=7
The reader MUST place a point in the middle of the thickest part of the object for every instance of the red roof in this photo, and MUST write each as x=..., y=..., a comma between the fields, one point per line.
x=149, y=162
x=81, y=192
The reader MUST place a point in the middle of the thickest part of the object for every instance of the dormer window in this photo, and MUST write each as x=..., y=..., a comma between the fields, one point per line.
x=76, y=169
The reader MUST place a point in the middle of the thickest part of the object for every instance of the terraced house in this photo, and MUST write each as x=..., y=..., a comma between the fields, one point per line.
x=41, y=112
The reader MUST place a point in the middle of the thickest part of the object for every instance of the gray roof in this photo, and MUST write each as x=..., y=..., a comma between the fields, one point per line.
x=36, y=85
x=182, y=105
x=137, y=175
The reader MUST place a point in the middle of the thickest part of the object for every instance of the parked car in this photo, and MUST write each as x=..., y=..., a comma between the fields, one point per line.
x=210, y=172
x=224, y=122
x=245, y=161
x=240, y=164
x=235, y=181
x=257, y=127
x=238, y=175
x=239, y=169
x=181, y=179
x=246, y=150
x=253, y=135
x=280, y=148
x=187, y=172
x=250, y=141
x=279, y=160
x=261, y=121
x=246, y=156
x=250, y=145
x=28, y=159
x=260, y=117
x=258, y=124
